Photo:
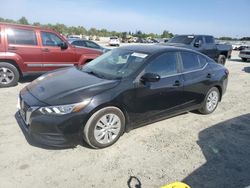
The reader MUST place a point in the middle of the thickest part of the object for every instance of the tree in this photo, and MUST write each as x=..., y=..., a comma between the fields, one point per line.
x=23, y=20
x=166, y=34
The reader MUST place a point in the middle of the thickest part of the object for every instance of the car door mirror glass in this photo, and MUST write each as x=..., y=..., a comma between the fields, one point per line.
x=63, y=45
x=150, y=77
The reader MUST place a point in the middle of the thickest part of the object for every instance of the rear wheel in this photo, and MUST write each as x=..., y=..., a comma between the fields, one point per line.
x=244, y=59
x=9, y=75
x=104, y=127
x=222, y=59
x=211, y=101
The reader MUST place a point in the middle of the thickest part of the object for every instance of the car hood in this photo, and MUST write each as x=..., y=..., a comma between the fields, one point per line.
x=67, y=86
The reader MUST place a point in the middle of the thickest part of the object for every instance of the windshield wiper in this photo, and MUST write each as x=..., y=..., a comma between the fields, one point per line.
x=94, y=73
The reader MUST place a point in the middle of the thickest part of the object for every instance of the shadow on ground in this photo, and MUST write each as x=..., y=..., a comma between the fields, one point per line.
x=226, y=147
x=246, y=69
x=27, y=79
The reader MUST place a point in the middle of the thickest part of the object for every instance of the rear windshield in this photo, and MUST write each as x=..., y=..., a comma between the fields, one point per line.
x=182, y=39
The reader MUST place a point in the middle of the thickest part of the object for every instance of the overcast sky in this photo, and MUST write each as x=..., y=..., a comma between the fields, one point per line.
x=216, y=17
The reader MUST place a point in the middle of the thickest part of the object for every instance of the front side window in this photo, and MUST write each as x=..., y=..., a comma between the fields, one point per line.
x=115, y=64
x=209, y=39
x=21, y=36
x=50, y=39
x=198, y=40
x=190, y=61
x=163, y=65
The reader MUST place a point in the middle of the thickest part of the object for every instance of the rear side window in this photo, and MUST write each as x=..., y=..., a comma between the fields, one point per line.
x=203, y=60
x=164, y=65
x=21, y=36
x=50, y=39
x=190, y=61
x=209, y=39
x=79, y=43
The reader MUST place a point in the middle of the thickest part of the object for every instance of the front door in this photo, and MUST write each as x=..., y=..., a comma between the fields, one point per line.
x=53, y=55
x=154, y=99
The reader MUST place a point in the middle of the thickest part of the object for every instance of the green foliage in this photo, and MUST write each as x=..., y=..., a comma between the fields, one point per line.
x=80, y=30
x=166, y=34
x=23, y=21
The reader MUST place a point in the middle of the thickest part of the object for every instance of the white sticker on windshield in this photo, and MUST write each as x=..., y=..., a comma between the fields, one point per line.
x=139, y=55
x=191, y=36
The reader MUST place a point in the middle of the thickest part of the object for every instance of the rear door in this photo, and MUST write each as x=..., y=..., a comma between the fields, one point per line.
x=196, y=77
x=23, y=42
x=2, y=47
x=53, y=55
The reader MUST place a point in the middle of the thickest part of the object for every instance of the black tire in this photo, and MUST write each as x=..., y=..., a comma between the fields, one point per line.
x=88, y=132
x=222, y=59
x=204, y=109
x=244, y=59
x=11, y=68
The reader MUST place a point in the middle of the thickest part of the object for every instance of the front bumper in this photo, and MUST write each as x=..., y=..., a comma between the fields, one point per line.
x=41, y=135
x=247, y=56
x=49, y=130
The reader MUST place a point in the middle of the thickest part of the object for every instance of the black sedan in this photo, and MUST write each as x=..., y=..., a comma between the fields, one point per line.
x=123, y=89
x=87, y=44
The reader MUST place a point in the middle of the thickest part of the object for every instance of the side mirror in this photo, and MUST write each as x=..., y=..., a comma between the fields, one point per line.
x=150, y=77
x=63, y=45
x=197, y=44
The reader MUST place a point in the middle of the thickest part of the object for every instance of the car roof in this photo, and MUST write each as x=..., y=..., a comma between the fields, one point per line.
x=196, y=35
x=154, y=49
x=27, y=26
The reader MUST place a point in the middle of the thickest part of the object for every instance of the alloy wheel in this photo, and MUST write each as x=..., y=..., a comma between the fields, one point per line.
x=107, y=128
x=212, y=101
x=6, y=75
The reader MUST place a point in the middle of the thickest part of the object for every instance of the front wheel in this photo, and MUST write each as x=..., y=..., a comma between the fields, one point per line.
x=211, y=101
x=222, y=59
x=104, y=127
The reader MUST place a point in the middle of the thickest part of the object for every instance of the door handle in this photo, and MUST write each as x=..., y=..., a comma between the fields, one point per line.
x=12, y=48
x=209, y=75
x=176, y=83
x=45, y=50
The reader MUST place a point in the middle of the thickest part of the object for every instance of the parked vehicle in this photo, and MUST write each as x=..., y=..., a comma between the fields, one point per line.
x=87, y=44
x=123, y=89
x=204, y=44
x=114, y=41
x=28, y=50
x=245, y=54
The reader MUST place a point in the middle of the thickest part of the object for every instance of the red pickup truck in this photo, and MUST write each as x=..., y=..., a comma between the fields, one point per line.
x=27, y=50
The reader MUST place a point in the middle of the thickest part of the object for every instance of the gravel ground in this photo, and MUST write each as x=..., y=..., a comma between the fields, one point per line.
x=204, y=151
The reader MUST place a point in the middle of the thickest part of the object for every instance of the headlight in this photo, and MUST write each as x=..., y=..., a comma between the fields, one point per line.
x=64, y=109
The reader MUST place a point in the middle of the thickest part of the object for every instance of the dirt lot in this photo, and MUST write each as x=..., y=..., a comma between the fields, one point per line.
x=204, y=151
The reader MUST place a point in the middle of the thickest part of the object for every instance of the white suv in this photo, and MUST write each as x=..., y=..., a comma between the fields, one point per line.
x=114, y=41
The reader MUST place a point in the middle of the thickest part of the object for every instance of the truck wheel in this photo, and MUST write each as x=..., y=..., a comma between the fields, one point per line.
x=9, y=75
x=244, y=59
x=222, y=59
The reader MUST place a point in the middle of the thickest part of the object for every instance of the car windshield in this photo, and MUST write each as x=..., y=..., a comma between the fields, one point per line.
x=115, y=64
x=182, y=39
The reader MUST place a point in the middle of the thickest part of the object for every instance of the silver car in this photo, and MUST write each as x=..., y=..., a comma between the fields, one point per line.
x=245, y=54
